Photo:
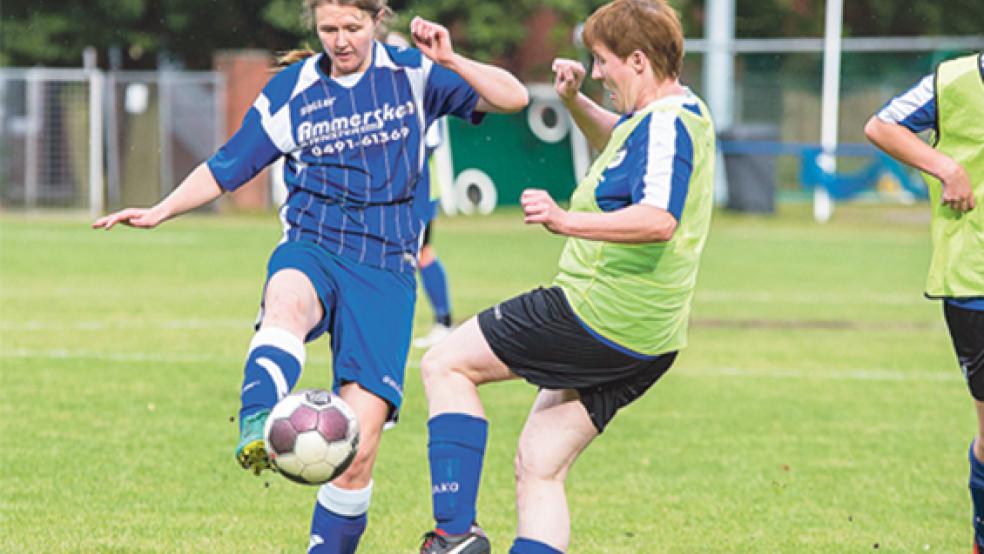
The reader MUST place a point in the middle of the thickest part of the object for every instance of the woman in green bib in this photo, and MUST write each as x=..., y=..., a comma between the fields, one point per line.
x=613, y=320
x=951, y=103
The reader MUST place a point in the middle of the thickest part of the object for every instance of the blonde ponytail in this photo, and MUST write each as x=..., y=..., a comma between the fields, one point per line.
x=293, y=56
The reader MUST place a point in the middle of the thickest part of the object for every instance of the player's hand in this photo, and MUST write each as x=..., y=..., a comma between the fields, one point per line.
x=568, y=76
x=539, y=207
x=145, y=218
x=433, y=40
x=957, y=192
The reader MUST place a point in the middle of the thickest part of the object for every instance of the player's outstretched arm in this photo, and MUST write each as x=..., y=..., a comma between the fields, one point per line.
x=499, y=90
x=903, y=145
x=594, y=121
x=197, y=189
x=637, y=223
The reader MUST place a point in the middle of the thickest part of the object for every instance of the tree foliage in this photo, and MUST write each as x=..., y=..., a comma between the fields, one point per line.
x=54, y=32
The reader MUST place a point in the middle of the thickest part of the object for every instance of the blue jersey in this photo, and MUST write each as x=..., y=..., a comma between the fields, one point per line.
x=915, y=109
x=654, y=165
x=354, y=151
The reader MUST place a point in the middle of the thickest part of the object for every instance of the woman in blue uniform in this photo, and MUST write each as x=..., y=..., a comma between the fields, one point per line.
x=350, y=124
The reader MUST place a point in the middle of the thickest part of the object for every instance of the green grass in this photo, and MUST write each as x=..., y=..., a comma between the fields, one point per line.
x=818, y=407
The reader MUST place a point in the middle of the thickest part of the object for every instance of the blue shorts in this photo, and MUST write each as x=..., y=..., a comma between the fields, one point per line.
x=367, y=311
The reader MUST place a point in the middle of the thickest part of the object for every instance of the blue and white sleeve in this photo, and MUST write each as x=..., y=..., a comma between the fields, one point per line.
x=257, y=144
x=915, y=109
x=668, y=166
x=447, y=93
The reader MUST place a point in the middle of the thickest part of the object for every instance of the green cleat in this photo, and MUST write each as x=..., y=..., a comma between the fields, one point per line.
x=251, y=452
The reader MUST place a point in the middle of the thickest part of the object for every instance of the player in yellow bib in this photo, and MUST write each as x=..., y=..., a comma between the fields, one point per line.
x=951, y=102
x=616, y=315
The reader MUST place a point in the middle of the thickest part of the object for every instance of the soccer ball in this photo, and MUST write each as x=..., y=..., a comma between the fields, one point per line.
x=311, y=436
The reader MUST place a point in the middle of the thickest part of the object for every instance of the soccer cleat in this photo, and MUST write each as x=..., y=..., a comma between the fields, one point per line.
x=437, y=333
x=251, y=451
x=472, y=542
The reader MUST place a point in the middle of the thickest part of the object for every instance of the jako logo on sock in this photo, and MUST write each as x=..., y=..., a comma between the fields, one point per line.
x=445, y=487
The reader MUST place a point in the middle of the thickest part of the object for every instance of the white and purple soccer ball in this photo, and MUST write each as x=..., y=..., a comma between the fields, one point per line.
x=311, y=436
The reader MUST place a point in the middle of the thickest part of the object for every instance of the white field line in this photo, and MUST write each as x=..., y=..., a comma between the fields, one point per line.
x=141, y=323
x=809, y=297
x=132, y=237
x=871, y=374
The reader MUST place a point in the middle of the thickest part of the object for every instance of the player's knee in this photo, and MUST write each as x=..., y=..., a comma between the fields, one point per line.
x=286, y=308
x=535, y=464
x=435, y=366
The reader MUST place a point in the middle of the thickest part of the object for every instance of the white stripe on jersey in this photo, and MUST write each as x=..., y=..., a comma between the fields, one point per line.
x=904, y=105
x=277, y=126
x=375, y=102
x=365, y=166
x=382, y=58
x=418, y=81
x=283, y=223
x=659, y=159
x=308, y=76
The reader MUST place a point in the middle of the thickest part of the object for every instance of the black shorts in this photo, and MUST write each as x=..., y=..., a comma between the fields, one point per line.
x=967, y=333
x=538, y=337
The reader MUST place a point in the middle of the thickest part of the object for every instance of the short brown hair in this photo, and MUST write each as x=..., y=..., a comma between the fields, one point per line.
x=650, y=26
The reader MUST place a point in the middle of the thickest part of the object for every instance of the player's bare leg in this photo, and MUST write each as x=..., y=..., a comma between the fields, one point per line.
x=340, y=515
x=557, y=430
x=975, y=470
x=290, y=309
x=372, y=412
x=452, y=371
x=457, y=428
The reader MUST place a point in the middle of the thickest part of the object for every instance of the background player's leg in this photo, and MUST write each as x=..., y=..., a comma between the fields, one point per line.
x=556, y=432
x=457, y=430
x=434, y=279
x=977, y=476
x=340, y=515
x=275, y=359
x=967, y=334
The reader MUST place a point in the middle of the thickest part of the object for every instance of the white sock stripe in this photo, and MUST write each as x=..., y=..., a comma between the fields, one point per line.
x=276, y=374
x=282, y=339
x=345, y=502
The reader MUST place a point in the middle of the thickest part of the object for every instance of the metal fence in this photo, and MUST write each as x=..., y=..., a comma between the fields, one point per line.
x=96, y=140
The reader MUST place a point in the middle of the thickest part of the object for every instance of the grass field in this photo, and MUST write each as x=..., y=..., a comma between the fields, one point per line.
x=818, y=407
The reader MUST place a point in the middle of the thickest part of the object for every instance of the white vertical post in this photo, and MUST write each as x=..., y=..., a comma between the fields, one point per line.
x=32, y=138
x=112, y=140
x=96, y=83
x=96, y=183
x=444, y=164
x=165, y=126
x=823, y=205
x=719, y=77
x=719, y=61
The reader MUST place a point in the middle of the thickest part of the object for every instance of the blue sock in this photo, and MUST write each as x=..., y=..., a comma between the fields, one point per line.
x=455, y=450
x=977, y=495
x=273, y=367
x=530, y=546
x=435, y=281
x=332, y=533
